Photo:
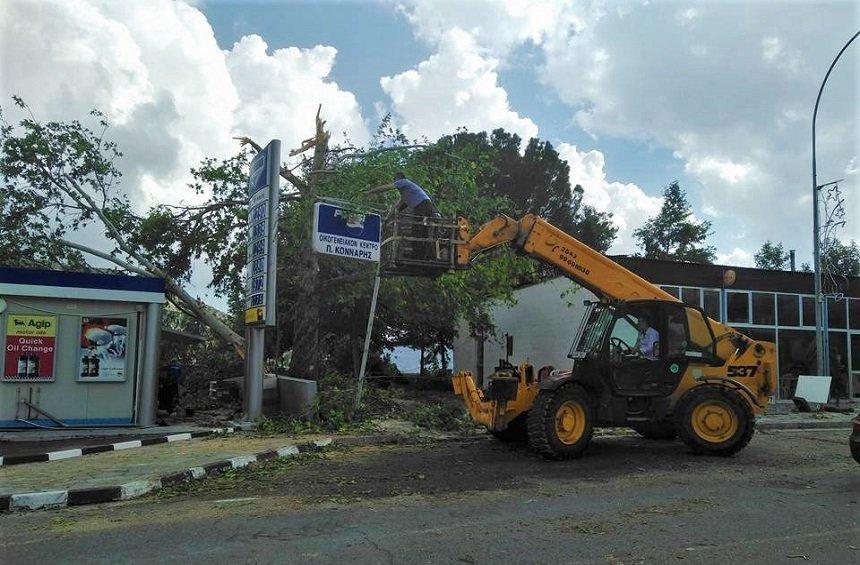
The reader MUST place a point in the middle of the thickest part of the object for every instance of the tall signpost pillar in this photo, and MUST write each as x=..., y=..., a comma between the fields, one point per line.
x=260, y=270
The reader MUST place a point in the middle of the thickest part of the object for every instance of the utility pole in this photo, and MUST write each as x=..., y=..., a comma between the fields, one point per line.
x=822, y=356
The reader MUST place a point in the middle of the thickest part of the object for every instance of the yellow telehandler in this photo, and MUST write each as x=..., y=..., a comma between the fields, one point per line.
x=695, y=377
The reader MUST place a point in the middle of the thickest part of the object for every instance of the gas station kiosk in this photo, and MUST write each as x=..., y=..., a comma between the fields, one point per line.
x=79, y=349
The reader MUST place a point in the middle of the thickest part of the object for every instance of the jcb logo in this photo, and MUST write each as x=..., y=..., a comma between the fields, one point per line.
x=742, y=370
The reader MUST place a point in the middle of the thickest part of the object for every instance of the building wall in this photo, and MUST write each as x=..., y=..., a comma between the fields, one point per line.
x=542, y=323
x=70, y=398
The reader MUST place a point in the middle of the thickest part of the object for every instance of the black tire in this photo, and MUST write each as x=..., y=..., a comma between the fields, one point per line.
x=543, y=427
x=661, y=431
x=516, y=432
x=726, y=401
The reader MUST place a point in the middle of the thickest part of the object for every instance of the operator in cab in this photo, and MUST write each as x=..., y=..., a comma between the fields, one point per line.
x=412, y=196
x=647, y=340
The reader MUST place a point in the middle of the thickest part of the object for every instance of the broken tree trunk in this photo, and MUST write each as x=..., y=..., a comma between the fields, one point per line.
x=305, y=362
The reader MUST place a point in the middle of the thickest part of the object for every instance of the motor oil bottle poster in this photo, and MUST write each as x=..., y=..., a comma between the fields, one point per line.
x=102, y=353
x=29, y=353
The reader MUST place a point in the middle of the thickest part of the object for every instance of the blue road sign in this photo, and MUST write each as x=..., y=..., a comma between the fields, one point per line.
x=346, y=233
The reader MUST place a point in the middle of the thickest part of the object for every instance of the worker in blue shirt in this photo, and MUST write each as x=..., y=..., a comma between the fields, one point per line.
x=412, y=196
x=416, y=199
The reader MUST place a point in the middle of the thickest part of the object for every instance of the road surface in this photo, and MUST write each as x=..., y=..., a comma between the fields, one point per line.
x=789, y=497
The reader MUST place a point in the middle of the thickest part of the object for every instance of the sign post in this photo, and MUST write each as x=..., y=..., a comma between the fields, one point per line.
x=354, y=235
x=260, y=270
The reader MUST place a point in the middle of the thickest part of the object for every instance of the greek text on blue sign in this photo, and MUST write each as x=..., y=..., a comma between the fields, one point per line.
x=346, y=233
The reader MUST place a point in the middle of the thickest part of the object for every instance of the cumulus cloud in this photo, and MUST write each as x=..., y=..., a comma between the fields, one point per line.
x=279, y=93
x=629, y=204
x=455, y=87
x=172, y=94
x=496, y=25
x=729, y=89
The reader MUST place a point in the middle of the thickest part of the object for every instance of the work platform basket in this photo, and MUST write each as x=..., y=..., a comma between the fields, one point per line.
x=419, y=246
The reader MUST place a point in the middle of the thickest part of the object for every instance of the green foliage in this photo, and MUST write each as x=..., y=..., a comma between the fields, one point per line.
x=771, y=256
x=55, y=177
x=840, y=259
x=673, y=234
x=438, y=416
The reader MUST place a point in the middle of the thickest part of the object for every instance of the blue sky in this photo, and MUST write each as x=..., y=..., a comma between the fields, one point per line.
x=633, y=94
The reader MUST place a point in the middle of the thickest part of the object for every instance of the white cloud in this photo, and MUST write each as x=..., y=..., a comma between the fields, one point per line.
x=279, y=93
x=457, y=86
x=496, y=25
x=629, y=204
x=737, y=112
x=172, y=94
x=737, y=257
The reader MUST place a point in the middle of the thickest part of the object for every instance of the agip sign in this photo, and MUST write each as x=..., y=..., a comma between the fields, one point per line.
x=263, y=193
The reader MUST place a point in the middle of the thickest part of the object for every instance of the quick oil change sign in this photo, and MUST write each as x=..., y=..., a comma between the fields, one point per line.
x=346, y=233
x=29, y=348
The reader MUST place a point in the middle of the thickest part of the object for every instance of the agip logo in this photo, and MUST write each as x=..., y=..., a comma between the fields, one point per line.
x=26, y=325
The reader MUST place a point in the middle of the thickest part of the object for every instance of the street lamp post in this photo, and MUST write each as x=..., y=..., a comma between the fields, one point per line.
x=823, y=357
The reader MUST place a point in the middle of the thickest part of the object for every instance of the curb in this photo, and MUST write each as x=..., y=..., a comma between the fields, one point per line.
x=131, y=444
x=134, y=489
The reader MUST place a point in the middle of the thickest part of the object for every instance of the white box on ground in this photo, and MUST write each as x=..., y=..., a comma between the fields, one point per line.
x=813, y=388
x=296, y=396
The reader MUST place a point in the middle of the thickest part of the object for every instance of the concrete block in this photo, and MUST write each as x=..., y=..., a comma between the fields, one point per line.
x=296, y=396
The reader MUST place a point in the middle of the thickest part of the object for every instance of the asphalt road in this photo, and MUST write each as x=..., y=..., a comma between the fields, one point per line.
x=789, y=497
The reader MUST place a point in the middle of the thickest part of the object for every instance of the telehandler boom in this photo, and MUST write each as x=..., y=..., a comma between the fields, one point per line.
x=701, y=380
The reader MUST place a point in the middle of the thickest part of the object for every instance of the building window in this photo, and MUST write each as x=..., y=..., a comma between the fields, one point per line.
x=835, y=313
x=762, y=303
x=796, y=357
x=691, y=296
x=808, y=311
x=673, y=290
x=789, y=309
x=711, y=303
x=738, y=307
x=854, y=314
x=839, y=364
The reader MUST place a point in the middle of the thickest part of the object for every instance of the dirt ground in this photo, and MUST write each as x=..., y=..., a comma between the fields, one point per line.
x=789, y=497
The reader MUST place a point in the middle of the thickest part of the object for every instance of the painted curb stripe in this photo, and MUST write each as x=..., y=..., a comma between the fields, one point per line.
x=89, y=450
x=126, y=445
x=134, y=489
x=65, y=454
x=37, y=500
x=94, y=495
x=138, y=488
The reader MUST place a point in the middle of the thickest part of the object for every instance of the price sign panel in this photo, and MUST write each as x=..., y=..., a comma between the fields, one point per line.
x=263, y=192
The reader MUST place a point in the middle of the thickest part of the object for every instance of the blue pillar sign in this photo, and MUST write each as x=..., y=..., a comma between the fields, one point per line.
x=346, y=233
x=263, y=193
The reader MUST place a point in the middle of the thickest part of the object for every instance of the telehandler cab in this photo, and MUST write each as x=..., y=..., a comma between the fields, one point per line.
x=701, y=380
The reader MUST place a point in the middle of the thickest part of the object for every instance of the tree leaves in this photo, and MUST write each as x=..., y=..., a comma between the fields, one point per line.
x=673, y=234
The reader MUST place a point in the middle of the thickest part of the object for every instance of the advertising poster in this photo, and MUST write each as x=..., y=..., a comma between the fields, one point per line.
x=29, y=353
x=102, y=354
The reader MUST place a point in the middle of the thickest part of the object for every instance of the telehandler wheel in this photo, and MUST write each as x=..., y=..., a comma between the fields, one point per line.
x=560, y=423
x=516, y=432
x=714, y=420
x=656, y=430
